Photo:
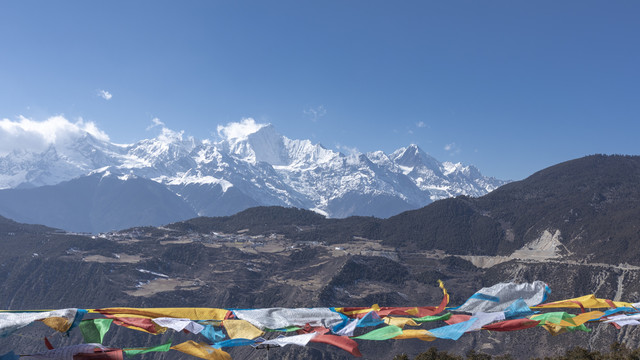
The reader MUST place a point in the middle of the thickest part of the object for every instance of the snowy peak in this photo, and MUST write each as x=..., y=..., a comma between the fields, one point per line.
x=442, y=180
x=168, y=146
x=251, y=164
x=23, y=168
x=268, y=146
x=413, y=156
x=255, y=143
x=303, y=153
x=88, y=152
x=457, y=169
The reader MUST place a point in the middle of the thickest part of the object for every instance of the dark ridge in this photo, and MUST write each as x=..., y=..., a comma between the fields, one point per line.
x=453, y=225
x=257, y=219
x=295, y=224
x=594, y=203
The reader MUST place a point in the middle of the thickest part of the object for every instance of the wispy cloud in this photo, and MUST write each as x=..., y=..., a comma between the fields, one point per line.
x=452, y=149
x=347, y=150
x=31, y=135
x=166, y=134
x=315, y=113
x=421, y=124
x=156, y=122
x=105, y=94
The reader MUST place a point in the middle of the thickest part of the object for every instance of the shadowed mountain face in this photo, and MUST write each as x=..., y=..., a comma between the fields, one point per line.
x=100, y=202
x=573, y=226
x=593, y=203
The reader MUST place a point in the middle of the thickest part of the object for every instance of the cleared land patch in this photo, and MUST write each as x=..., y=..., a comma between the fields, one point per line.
x=117, y=258
x=161, y=285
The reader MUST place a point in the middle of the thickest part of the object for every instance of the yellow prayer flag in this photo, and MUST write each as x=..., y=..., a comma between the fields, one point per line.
x=583, y=318
x=241, y=329
x=416, y=334
x=587, y=301
x=373, y=307
x=183, y=313
x=555, y=329
x=201, y=350
x=413, y=311
x=400, y=321
x=57, y=323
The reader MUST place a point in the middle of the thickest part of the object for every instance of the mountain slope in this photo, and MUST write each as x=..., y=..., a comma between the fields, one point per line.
x=95, y=203
x=594, y=203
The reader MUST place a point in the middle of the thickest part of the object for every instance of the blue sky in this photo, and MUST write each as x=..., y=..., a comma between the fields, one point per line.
x=509, y=86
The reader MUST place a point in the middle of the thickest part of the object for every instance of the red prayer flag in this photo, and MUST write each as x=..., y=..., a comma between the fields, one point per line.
x=458, y=318
x=142, y=323
x=343, y=342
x=512, y=325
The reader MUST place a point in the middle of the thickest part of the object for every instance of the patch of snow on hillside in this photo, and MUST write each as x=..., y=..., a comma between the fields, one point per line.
x=406, y=170
x=201, y=180
x=130, y=161
x=320, y=211
x=153, y=273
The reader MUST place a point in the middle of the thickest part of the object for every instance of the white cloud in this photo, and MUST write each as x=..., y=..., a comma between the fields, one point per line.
x=169, y=135
x=31, y=135
x=315, y=113
x=453, y=149
x=350, y=151
x=421, y=124
x=156, y=122
x=105, y=94
x=239, y=130
x=92, y=129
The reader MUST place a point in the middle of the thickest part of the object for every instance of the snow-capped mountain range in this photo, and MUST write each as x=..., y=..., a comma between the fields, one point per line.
x=247, y=168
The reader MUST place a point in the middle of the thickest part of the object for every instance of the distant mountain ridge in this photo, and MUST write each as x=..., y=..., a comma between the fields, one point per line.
x=256, y=168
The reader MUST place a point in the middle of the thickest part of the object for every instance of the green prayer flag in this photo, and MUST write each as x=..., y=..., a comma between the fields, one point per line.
x=433, y=318
x=93, y=330
x=287, y=329
x=384, y=333
x=582, y=327
x=164, y=348
x=554, y=317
